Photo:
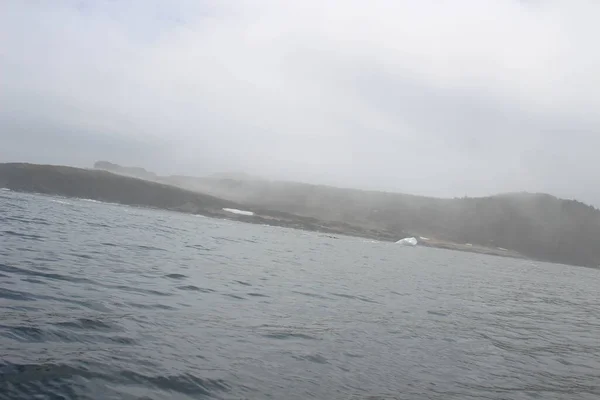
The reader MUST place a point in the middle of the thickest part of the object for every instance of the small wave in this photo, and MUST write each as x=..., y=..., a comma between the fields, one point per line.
x=122, y=340
x=193, y=288
x=15, y=295
x=98, y=225
x=198, y=247
x=257, y=295
x=184, y=383
x=150, y=306
x=55, y=380
x=315, y=295
x=288, y=335
x=354, y=355
x=15, y=374
x=84, y=256
x=26, y=272
x=348, y=296
x=234, y=296
x=150, y=248
x=438, y=313
x=139, y=290
x=243, y=283
x=220, y=239
x=87, y=324
x=33, y=280
x=34, y=221
x=23, y=235
x=32, y=334
x=315, y=358
x=176, y=276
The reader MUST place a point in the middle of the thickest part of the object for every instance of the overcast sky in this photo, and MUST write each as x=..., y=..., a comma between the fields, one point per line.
x=435, y=97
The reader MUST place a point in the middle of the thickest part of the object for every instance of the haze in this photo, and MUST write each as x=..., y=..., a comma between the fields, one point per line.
x=442, y=98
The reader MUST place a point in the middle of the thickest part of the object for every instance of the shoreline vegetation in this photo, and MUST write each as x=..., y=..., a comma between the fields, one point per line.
x=520, y=225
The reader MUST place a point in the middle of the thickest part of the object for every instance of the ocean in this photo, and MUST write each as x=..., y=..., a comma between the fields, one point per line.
x=105, y=301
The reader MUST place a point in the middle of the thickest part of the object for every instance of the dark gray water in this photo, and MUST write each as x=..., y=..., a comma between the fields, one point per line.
x=106, y=301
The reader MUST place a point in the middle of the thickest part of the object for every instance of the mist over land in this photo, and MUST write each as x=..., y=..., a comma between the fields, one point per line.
x=536, y=225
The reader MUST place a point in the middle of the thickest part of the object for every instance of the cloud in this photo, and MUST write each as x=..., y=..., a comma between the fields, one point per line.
x=434, y=97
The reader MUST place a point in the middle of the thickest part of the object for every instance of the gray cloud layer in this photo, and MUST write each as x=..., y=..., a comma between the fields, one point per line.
x=432, y=97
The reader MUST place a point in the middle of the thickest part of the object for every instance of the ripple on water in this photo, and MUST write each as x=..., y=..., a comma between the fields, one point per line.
x=15, y=295
x=55, y=276
x=88, y=324
x=27, y=221
x=352, y=297
x=315, y=358
x=194, y=288
x=25, y=333
x=148, y=248
x=199, y=247
x=234, y=296
x=257, y=295
x=176, y=276
x=285, y=335
x=34, y=380
x=315, y=295
x=22, y=235
x=423, y=324
x=151, y=306
x=141, y=290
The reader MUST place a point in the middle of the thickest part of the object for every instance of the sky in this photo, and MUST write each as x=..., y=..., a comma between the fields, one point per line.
x=432, y=97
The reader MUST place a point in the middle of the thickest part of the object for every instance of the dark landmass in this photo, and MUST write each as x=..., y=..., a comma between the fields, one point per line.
x=537, y=226
x=114, y=188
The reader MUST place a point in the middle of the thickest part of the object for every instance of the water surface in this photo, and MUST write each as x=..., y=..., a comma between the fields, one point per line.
x=113, y=302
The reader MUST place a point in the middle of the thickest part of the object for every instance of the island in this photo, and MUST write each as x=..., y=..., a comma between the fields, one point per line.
x=529, y=225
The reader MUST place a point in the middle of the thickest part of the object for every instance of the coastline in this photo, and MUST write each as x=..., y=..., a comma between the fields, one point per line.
x=110, y=187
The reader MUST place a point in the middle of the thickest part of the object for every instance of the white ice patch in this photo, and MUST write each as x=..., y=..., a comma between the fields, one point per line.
x=239, y=212
x=411, y=241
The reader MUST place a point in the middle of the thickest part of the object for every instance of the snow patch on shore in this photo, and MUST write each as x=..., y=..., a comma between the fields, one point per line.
x=239, y=212
x=410, y=241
